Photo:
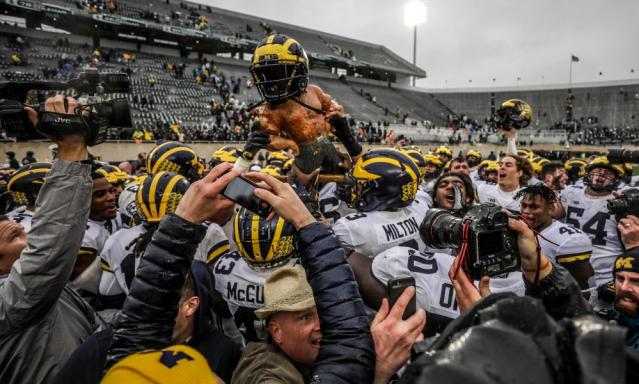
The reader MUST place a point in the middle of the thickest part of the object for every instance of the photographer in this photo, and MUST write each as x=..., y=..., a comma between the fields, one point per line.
x=42, y=320
x=625, y=310
x=536, y=339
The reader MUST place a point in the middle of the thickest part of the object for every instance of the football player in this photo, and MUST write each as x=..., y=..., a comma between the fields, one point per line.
x=174, y=157
x=586, y=209
x=561, y=243
x=23, y=187
x=554, y=176
x=473, y=158
x=433, y=169
x=263, y=246
x=514, y=173
x=486, y=173
x=157, y=196
x=576, y=170
x=444, y=153
x=385, y=186
x=420, y=161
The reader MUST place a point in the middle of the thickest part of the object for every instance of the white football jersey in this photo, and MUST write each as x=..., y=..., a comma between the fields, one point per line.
x=242, y=288
x=493, y=194
x=424, y=198
x=22, y=216
x=371, y=233
x=435, y=292
x=331, y=207
x=118, y=256
x=570, y=243
x=591, y=215
x=123, y=264
x=128, y=210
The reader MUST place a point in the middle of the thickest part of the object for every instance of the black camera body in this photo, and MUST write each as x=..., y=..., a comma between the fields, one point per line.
x=492, y=247
x=91, y=120
x=626, y=204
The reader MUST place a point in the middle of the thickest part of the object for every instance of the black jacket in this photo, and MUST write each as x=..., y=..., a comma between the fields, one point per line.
x=347, y=353
x=548, y=336
x=219, y=350
x=147, y=318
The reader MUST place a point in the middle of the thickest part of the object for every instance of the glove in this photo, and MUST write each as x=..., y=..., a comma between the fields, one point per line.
x=344, y=134
x=343, y=192
x=257, y=140
x=606, y=292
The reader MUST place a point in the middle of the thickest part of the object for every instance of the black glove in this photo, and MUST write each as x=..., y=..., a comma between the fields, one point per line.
x=606, y=292
x=344, y=134
x=343, y=192
x=257, y=140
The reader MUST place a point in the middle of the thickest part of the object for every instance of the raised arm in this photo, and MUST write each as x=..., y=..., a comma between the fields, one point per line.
x=37, y=278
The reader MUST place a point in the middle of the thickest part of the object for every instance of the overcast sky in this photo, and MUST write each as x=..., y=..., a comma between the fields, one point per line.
x=480, y=40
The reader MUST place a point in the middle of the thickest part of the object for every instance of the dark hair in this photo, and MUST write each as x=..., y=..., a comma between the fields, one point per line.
x=549, y=168
x=539, y=189
x=468, y=185
x=144, y=239
x=523, y=165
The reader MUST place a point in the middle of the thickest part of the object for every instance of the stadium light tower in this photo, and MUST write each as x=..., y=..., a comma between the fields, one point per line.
x=414, y=15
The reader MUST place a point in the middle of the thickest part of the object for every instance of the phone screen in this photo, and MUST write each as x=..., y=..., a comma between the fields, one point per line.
x=240, y=191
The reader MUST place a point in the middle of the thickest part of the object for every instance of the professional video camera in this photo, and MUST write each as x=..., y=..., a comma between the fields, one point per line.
x=491, y=246
x=626, y=204
x=621, y=156
x=91, y=119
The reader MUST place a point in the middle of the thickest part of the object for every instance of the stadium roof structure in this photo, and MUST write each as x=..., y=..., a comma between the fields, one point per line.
x=227, y=31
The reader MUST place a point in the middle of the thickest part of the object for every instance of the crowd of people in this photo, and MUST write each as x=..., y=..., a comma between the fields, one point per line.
x=102, y=265
x=284, y=260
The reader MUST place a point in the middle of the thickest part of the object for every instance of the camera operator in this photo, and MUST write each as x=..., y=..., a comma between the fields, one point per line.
x=625, y=310
x=514, y=174
x=561, y=243
x=502, y=338
x=42, y=320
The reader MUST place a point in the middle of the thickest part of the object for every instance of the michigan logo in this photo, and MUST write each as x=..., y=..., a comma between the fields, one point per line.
x=624, y=262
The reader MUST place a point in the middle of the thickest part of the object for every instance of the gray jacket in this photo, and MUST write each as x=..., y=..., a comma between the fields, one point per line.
x=41, y=319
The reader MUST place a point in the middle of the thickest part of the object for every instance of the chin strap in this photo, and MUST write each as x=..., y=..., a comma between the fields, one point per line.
x=300, y=102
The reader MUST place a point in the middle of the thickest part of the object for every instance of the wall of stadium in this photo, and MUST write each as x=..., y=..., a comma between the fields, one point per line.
x=121, y=151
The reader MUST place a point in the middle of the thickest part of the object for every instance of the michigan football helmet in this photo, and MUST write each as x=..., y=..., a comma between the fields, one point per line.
x=226, y=154
x=25, y=183
x=418, y=158
x=473, y=158
x=272, y=170
x=279, y=68
x=486, y=167
x=575, y=169
x=277, y=159
x=262, y=243
x=385, y=179
x=112, y=174
x=538, y=162
x=513, y=113
x=433, y=160
x=174, y=157
x=602, y=162
x=160, y=194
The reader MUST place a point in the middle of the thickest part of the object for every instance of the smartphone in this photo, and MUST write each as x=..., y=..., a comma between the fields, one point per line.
x=240, y=190
x=394, y=289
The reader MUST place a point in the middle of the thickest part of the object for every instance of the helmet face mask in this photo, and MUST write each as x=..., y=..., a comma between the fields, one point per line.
x=385, y=179
x=601, y=179
x=279, y=69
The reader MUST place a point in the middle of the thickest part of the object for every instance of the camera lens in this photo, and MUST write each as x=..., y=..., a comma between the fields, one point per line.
x=617, y=205
x=498, y=218
x=440, y=229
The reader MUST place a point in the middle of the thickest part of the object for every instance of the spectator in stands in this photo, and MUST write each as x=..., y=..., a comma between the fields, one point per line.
x=12, y=162
x=29, y=158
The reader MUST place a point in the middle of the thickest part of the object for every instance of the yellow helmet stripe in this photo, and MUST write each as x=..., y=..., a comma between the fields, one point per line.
x=276, y=238
x=166, y=194
x=255, y=237
x=154, y=186
x=13, y=179
x=361, y=173
x=145, y=209
x=152, y=154
x=218, y=249
x=236, y=236
x=169, y=153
